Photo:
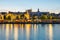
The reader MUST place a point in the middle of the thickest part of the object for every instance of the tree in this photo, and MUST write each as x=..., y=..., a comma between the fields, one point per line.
x=44, y=17
x=50, y=17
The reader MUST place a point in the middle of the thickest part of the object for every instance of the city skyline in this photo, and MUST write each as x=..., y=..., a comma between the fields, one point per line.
x=17, y=5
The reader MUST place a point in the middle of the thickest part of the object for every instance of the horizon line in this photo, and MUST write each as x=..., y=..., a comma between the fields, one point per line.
x=51, y=11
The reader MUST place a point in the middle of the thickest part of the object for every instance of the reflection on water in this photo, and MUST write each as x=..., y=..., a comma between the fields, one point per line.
x=7, y=31
x=15, y=31
x=29, y=32
x=50, y=32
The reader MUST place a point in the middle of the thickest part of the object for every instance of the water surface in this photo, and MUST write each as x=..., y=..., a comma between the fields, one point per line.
x=29, y=31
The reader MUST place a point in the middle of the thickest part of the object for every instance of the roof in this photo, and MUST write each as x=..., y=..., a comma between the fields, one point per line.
x=17, y=12
x=3, y=13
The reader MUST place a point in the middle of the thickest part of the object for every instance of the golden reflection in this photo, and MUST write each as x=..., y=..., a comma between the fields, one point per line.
x=15, y=31
x=27, y=26
x=22, y=31
x=16, y=25
x=35, y=27
x=50, y=32
x=35, y=31
x=3, y=31
x=21, y=27
x=11, y=27
x=7, y=31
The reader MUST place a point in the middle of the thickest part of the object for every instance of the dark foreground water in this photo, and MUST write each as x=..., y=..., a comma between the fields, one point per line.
x=29, y=31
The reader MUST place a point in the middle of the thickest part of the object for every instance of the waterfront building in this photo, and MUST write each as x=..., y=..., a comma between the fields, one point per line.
x=1, y=17
x=27, y=16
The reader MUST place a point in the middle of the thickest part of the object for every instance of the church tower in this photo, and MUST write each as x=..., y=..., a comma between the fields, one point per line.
x=38, y=10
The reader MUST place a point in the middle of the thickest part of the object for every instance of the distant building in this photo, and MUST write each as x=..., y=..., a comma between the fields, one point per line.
x=38, y=13
x=27, y=15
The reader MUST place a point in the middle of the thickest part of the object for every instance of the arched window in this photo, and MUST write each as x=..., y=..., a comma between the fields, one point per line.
x=0, y=17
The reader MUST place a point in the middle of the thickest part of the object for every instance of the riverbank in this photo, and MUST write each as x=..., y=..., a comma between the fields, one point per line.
x=30, y=23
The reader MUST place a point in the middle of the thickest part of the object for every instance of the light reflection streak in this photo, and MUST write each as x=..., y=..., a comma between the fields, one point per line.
x=11, y=27
x=7, y=31
x=3, y=30
x=22, y=27
x=15, y=31
x=21, y=31
x=35, y=28
x=35, y=31
x=50, y=32
x=27, y=31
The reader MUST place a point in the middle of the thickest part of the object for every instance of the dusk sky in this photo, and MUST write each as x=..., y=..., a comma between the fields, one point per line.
x=22, y=5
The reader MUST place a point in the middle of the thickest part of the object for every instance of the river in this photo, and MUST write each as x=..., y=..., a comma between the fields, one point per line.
x=29, y=31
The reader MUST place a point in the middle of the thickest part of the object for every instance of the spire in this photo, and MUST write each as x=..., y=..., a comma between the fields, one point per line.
x=38, y=10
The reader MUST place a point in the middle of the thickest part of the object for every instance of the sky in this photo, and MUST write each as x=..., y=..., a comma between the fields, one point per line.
x=22, y=5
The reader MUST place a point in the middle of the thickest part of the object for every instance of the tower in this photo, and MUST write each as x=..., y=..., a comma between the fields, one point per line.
x=38, y=10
